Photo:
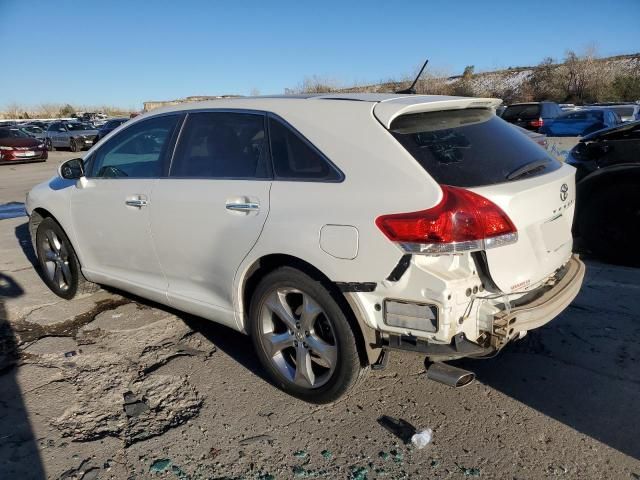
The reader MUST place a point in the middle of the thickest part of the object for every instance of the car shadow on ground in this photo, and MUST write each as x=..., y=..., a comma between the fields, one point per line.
x=24, y=240
x=19, y=450
x=582, y=368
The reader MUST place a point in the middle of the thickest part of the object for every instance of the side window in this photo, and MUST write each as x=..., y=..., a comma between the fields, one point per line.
x=295, y=159
x=137, y=152
x=221, y=145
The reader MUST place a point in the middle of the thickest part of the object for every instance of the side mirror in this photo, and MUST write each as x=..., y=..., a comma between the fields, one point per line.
x=72, y=169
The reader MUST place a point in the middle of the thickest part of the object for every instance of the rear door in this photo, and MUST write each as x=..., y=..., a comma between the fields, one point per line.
x=476, y=150
x=209, y=212
x=58, y=134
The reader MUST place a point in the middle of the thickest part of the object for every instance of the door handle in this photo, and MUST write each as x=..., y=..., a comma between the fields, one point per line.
x=137, y=201
x=243, y=207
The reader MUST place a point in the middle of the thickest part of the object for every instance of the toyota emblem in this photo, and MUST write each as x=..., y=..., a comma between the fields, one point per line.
x=564, y=192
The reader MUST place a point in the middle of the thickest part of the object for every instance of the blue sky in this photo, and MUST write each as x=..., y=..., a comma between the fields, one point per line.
x=122, y=52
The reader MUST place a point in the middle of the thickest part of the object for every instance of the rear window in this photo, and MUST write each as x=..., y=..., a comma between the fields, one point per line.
x=472, y=147
x=513, y=112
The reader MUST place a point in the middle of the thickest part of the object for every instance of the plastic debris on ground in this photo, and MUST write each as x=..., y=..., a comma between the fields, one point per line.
x=422, y=439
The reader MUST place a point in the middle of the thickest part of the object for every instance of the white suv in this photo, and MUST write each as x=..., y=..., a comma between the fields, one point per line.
x=331, y=229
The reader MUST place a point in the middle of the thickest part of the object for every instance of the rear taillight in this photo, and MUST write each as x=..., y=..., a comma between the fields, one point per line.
x=461, y=222
x=537, y=123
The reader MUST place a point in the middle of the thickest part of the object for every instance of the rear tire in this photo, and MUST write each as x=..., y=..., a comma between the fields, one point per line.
x=294, y=319
x=58, y=262
x=610, y=224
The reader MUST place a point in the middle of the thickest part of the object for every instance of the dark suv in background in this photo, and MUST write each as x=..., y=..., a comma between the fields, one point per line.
x=531, y=116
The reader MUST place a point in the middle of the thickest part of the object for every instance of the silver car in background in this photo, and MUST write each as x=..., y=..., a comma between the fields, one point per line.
x=75, y=136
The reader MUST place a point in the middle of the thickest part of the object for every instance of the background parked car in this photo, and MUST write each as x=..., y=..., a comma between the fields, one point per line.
x=74, y=136
x=581, y=122
x=608, y=185
x=531, y=116
x=16, y=146
x=109, y=127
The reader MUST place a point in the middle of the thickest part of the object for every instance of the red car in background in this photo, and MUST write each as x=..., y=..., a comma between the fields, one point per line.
x=18, y=147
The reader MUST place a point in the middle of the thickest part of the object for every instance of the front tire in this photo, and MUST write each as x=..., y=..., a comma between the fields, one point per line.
x=58, y=262
x=302, y=337
x=49, y=145
x=73, y=145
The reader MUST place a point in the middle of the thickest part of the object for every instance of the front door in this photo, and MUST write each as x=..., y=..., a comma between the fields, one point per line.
x=210, y=210
x=111, y=210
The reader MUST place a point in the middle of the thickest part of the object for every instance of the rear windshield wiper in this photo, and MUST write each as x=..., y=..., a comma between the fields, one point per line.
x=527, y=169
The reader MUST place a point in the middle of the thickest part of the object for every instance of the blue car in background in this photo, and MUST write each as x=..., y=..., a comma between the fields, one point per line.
x=581, y=122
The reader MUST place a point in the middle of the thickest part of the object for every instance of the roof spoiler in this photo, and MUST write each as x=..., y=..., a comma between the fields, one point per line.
x=412, y=89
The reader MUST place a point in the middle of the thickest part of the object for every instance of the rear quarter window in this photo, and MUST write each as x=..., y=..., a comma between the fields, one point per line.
x=470, y=148
x=294, y=158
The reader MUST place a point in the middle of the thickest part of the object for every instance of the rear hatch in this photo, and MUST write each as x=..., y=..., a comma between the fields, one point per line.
x=473, y=149
x=522, y=114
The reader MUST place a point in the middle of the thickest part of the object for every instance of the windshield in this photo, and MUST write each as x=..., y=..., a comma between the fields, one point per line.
x=33, y=129
x=471, y=147
x=575, y=124
x=79, y=126
x=12, y=133
x=113, y=123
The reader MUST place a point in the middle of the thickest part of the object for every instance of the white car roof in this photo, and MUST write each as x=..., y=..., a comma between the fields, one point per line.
x=386, y=106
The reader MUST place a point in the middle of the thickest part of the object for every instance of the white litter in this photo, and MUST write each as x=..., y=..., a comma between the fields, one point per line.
x=422, y=439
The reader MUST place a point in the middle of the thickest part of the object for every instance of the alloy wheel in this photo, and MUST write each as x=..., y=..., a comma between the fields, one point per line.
x=56, y=261
x=298, y=337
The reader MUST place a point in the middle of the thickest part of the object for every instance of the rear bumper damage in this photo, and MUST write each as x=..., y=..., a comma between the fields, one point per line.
x=541, y=310
x=511, y=321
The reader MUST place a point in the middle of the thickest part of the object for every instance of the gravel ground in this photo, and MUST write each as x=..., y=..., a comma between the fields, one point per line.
x=110, y=386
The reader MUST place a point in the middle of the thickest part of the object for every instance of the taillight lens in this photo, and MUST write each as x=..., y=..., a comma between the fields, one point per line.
x=462, y=221
x=537, y=123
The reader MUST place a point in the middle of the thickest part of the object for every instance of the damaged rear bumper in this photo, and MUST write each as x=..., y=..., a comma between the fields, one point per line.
x=534, y=314
x=507, y=324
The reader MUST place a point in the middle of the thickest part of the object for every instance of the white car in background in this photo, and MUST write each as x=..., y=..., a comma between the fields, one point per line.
x=332, y=229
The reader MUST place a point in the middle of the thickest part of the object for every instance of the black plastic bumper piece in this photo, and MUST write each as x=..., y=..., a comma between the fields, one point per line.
x=459, y=347
x=356, y=286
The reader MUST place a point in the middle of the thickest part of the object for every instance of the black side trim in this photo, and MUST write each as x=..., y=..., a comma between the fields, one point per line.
x=400, y=268
x=480, y=259
x=356, y=286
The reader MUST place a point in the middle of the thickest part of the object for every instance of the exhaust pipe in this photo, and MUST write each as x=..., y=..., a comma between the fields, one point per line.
x=449, y=375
